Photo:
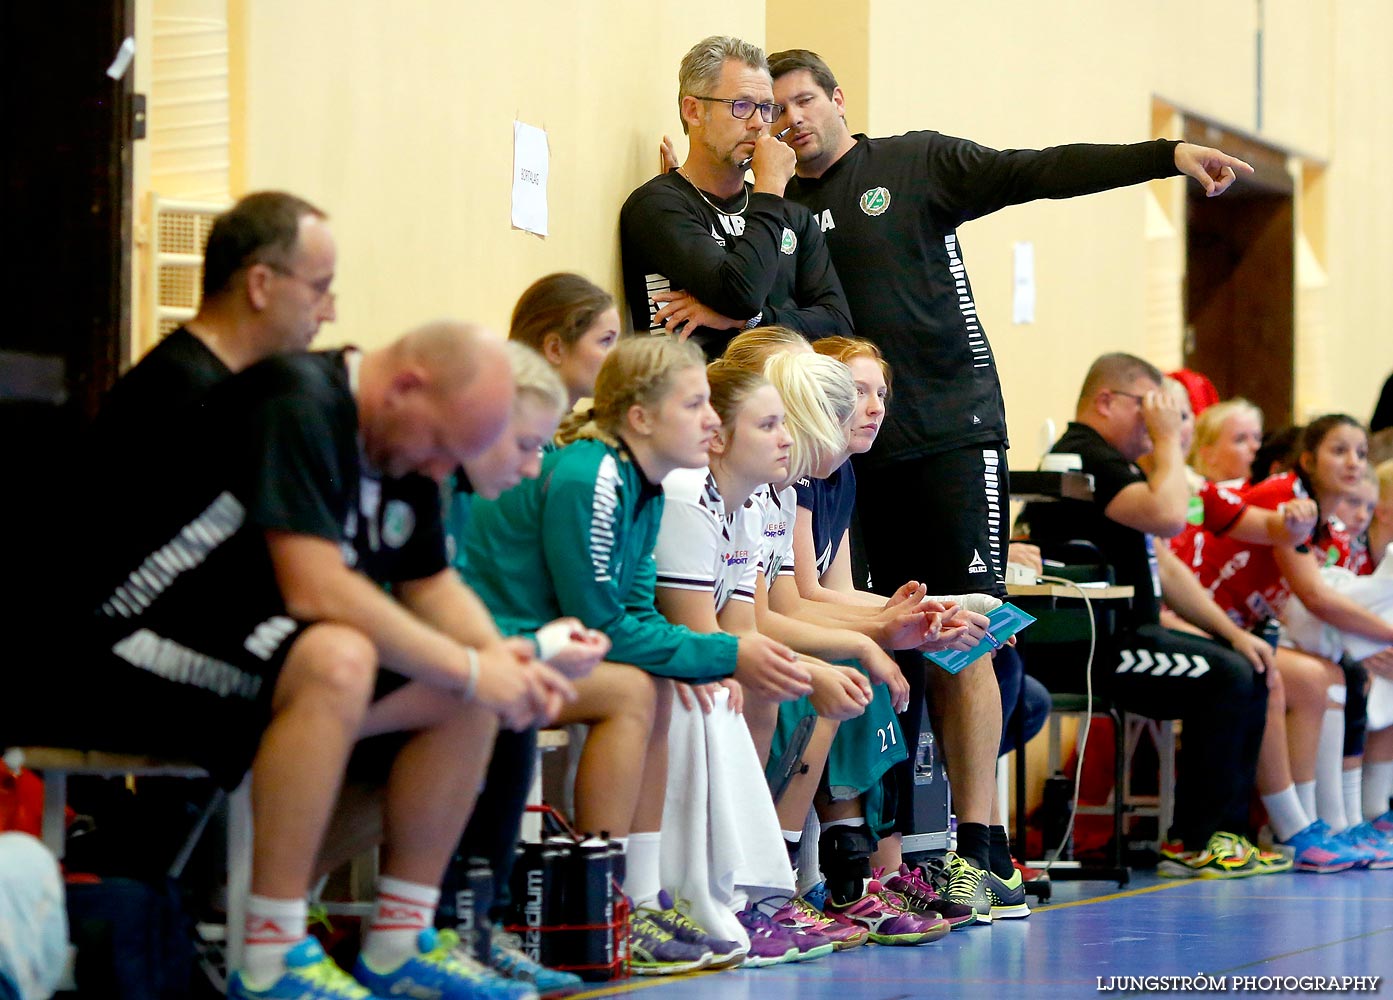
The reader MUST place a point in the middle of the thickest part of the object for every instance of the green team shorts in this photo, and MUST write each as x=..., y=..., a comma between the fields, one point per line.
x=863, y=750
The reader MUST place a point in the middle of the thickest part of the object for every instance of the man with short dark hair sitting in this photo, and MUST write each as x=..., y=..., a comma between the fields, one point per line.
x=228, y=606
x=1218, y=687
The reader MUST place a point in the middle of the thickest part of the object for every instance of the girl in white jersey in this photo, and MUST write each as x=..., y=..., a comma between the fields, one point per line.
x=720, y=833
x=820, y=397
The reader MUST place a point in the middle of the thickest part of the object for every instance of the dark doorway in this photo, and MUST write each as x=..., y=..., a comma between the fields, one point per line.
x=1240, y=278
x=67, y=190
x=66, y=178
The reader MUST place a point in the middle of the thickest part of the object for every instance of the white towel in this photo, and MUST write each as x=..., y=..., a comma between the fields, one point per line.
x=1379, y=710
x=1374, y=593
x=33, y=922
x=720, y=830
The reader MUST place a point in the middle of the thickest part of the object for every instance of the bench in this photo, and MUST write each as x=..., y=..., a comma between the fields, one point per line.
x=57, y=763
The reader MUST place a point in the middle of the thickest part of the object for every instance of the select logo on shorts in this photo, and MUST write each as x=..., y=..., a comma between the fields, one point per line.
x=977, y=565
x=875, y=201
x=789, y=243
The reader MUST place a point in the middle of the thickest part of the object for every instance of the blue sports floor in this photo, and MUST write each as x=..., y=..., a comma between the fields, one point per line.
x=1288, y=925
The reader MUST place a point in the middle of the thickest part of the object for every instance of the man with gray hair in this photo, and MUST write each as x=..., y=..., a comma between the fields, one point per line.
x=707, y=254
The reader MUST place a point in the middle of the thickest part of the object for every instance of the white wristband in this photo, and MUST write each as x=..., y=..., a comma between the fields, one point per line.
x=552, y=639
x=472, y=655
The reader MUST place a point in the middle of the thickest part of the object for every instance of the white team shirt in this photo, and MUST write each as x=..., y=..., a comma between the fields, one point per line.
x=701, y=546
x=776, y=511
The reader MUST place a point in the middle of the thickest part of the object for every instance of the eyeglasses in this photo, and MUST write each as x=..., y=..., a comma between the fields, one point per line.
x=1129, y=395
x=745, y=109
x=320, y=288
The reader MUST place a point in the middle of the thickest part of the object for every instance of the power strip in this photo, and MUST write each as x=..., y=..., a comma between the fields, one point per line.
x=1020, y=574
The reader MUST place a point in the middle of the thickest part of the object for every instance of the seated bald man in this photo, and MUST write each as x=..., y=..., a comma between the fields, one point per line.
x=243, y=622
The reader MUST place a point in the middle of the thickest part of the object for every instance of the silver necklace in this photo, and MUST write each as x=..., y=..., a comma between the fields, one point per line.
x=702, y=194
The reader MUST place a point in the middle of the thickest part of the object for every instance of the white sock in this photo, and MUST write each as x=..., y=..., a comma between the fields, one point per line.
x=1285, y=814
x=849, y=821
x=793, y=844
x=1330, y=760
x=1378, y=787
x=403, y=910
x=1354, y=785
x=642, y=871
x=273, y=927
x=1306, y=792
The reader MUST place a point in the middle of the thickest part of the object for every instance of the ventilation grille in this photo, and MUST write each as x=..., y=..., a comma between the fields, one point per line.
x=176, y=261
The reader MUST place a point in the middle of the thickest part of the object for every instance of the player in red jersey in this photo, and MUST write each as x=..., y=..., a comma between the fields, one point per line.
x=1253, y=584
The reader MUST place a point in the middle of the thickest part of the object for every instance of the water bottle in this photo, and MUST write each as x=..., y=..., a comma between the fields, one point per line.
x=592, y=866
x=449, y=890
x=538, y=899
x=473, y=898
x=620, y=936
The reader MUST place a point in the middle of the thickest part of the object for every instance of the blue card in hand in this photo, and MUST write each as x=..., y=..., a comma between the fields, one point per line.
x=1004, y=622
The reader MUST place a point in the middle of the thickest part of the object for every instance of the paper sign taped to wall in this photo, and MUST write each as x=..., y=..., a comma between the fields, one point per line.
x=531, y=159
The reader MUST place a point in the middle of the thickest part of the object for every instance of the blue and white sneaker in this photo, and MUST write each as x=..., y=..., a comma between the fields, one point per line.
x=1312, y=850
x=309, y=975
x=1367, y=838
x=508, y=959
x=817, y=896
x=442, y=970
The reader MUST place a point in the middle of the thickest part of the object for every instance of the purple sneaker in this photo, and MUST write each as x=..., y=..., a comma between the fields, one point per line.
x=672, y=917
x=889, y=919
x=799, y=914
x=924, y=899
x=770, y=944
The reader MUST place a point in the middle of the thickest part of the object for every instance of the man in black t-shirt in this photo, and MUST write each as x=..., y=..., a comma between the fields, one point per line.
x=1217, y=686
x=890, y=208
x=181, y=639
x=706, y=254
x=268, y=269
x=268, y=266
x=239, y=618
